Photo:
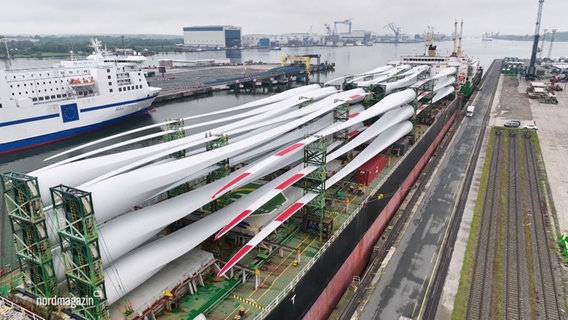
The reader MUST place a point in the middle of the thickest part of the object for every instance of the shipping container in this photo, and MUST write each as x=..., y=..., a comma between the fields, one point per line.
x=370, y=169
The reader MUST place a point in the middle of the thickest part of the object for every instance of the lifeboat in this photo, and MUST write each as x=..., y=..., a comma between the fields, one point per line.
x=76, y=82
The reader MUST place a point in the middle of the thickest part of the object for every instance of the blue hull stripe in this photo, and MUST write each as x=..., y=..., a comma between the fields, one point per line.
x=11, y=123
x=61, y=135
x=56, y=115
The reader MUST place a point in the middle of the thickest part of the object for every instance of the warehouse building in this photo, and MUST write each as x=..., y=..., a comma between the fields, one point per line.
x=212, y=37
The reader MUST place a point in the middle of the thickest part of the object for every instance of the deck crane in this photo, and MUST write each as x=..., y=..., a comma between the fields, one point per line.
x=396, y=31
x=551, y=42
x=531, y=72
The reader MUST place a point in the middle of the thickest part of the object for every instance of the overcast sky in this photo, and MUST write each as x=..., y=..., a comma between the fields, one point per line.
x=275, y=17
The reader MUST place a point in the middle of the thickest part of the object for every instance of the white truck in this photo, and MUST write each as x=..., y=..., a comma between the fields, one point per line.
x=469, y=111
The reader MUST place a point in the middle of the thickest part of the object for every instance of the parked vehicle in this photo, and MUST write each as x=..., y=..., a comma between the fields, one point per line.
x=531, y=127
x=470, y=110
x=513, y=124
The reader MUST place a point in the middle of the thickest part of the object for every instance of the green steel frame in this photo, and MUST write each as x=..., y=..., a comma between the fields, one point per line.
x=24, y=208
x=223, y=170
x=315, y=154
x=178, y=133
x=341, y=114
x=80, y=249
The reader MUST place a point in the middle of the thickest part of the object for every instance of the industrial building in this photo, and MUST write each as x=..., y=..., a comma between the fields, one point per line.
x=212, y=37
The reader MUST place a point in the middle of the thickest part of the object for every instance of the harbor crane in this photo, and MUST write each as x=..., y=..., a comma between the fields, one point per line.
x=330, y=35
x=541, y=49
x=551, y=42
x=396, y=30
x=346, y=21
x=531, y=71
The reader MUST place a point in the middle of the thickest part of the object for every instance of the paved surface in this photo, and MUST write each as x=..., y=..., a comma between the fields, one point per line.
x=405, y=281
x=511, y=102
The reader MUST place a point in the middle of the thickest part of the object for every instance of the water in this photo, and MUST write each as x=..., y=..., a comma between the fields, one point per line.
x=348, y=60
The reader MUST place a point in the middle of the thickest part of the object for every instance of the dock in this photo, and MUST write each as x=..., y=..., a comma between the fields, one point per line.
x=186, y=82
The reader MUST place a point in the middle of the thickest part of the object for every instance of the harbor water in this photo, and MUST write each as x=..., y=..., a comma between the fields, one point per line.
x=348, y=60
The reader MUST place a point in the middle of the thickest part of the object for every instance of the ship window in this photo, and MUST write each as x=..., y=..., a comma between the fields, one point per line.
x=53, y=97
x=18, y=85
x=58, y=96
x=49, y=82
x=40, y=98
x=109, y=76
x=110, y=90
x=108, y=70
x=34, y=99
x=64, y=95
x=120, y=89
x=110, y=83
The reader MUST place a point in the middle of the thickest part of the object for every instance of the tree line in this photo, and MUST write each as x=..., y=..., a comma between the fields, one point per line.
x=38, y=46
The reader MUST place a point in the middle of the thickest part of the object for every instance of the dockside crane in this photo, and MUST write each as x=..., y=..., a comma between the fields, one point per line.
x=531, y=72
x=346, y=21
x=541, y=49
x=551, y=42
x=396, y=30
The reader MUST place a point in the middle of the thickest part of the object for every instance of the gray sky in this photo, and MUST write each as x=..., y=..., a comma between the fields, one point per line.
x=258, y=16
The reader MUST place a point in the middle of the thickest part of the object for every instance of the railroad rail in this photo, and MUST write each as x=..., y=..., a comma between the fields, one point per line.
x=515, y=231
x=479, y=305
x=550, y=302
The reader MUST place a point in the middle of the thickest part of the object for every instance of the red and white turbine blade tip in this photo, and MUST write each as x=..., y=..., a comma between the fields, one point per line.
x=236, y=258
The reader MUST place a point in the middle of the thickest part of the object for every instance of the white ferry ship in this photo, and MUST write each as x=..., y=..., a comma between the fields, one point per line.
x=42, y=105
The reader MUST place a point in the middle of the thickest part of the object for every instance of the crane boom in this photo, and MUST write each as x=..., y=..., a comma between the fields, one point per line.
x=531, y=72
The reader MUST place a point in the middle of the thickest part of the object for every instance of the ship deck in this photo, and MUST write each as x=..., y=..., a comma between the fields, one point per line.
x=279, y=267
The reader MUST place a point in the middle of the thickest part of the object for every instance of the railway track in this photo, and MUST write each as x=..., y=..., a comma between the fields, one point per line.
x=548, y=301
x=515, y=286
x=515, y=231
x=479, y=305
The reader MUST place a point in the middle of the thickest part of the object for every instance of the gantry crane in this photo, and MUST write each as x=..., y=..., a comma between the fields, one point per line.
x=346, y=21
x=531, y=72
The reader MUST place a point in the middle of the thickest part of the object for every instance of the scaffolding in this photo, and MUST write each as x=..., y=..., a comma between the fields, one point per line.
x=78, y=234
x=25, y=210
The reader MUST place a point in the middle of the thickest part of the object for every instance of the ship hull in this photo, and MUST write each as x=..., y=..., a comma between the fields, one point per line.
x=39, y=127
x=317, y=293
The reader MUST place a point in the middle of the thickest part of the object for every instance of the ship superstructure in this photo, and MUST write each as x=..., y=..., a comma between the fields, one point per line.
x=42, y=105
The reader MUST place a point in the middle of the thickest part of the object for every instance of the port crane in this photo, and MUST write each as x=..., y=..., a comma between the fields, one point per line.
x=531, y=72
x=396, y=30
x=346, y=21
x=551, y=42
x=541, y=49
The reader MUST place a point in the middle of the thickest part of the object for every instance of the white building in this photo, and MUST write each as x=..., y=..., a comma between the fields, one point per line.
x=212, y=36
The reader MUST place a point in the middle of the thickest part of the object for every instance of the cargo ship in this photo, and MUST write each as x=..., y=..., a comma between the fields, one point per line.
x=269, y=215
x=39, y=106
